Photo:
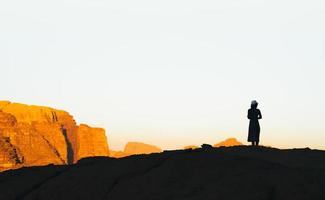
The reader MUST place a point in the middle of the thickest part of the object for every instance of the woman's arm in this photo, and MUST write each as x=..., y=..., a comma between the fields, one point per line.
x=259, y=114
x=248, y=115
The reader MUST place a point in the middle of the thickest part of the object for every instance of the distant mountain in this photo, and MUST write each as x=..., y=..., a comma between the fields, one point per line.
x=38, y=135
x=135, y=148
x=242, y=172
x=140, y=148
x=228, y=143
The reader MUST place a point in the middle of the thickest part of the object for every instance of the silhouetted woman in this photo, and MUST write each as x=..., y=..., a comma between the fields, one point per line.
x=254, y=115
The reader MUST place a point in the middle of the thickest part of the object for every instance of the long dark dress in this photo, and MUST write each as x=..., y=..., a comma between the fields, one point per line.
x=254, y=126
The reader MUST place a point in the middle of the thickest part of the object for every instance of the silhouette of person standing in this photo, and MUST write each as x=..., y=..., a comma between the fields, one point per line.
x=254, y=115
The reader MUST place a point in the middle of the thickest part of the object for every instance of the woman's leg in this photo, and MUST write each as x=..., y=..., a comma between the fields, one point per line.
x=253, y=143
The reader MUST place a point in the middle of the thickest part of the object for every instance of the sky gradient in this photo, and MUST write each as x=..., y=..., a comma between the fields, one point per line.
x=171, y=73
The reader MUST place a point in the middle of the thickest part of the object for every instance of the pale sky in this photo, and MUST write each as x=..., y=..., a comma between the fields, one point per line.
x=171, y=73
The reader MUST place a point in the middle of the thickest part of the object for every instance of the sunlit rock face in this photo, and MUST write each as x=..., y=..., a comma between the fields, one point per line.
x=228, y=143
x=9, y=156
x=37, y=135
x=91, y=142
x=132, y=148
x=21, y=144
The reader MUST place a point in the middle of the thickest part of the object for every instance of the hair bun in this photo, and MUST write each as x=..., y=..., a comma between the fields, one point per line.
x=254, y=102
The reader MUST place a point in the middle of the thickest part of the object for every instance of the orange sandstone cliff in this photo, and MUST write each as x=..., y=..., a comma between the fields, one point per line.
x=93, y=139
x=37, y=135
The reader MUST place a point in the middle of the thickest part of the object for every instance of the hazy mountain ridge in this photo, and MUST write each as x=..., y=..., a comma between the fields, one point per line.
x=136, y=148
x=225, y=173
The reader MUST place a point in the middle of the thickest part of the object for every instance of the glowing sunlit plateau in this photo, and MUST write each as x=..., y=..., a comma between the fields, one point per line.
x=171, y=73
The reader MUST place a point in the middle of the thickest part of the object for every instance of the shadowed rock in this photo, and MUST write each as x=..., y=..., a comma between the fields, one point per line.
x=214, y=173
x=206, y=146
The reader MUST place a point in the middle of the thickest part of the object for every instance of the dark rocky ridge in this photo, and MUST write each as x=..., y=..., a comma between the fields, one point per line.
x=202, y=174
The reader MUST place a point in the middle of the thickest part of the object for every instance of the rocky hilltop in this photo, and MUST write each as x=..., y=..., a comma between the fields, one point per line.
x=37, y=135
x=225, y=173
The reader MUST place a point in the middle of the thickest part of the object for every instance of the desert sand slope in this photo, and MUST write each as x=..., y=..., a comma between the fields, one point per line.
x=218, y=173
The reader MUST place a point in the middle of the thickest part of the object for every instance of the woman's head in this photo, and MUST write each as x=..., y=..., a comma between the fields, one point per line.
x=254, y=104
